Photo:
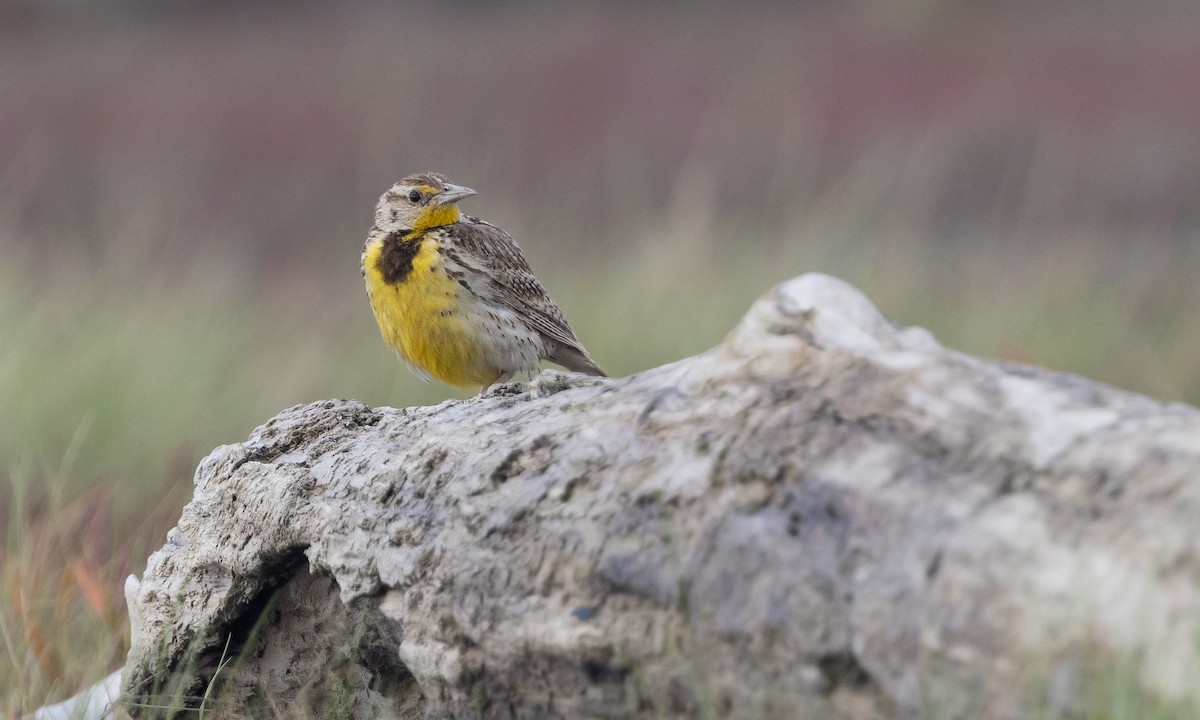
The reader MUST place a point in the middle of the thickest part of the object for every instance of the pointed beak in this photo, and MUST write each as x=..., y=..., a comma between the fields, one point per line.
x=452, y=193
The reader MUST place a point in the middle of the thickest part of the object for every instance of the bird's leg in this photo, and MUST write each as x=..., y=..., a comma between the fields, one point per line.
x=501, y=377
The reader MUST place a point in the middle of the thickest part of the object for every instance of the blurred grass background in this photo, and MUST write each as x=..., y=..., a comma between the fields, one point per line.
x=184, y=195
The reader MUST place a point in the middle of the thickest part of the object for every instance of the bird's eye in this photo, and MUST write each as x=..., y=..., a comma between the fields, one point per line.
x=414, y=197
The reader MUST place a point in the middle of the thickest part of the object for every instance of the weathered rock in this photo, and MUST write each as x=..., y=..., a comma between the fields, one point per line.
x=825, y=516
x=95, y=703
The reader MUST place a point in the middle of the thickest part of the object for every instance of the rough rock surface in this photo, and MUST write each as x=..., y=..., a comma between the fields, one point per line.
x=825, y=516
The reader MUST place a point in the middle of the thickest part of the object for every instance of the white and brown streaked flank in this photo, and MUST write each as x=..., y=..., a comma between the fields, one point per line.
x=454, y=295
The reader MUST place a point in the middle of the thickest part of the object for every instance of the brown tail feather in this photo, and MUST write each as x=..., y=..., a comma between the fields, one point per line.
x=575, y=360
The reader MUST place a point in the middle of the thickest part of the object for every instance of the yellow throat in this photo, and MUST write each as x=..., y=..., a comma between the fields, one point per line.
x=435, y=216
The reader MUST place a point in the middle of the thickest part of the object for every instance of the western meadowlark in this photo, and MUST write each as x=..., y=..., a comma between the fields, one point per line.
x=454, y=296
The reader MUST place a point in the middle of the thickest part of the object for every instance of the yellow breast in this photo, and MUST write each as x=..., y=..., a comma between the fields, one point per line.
x=421, y=317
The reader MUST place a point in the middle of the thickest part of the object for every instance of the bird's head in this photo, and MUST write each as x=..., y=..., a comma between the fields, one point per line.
x=419, y=202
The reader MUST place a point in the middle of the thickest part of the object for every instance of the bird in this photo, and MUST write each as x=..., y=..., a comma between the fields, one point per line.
x=454, y=296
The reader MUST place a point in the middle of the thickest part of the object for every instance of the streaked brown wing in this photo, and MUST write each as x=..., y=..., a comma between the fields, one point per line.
x=511, y=281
